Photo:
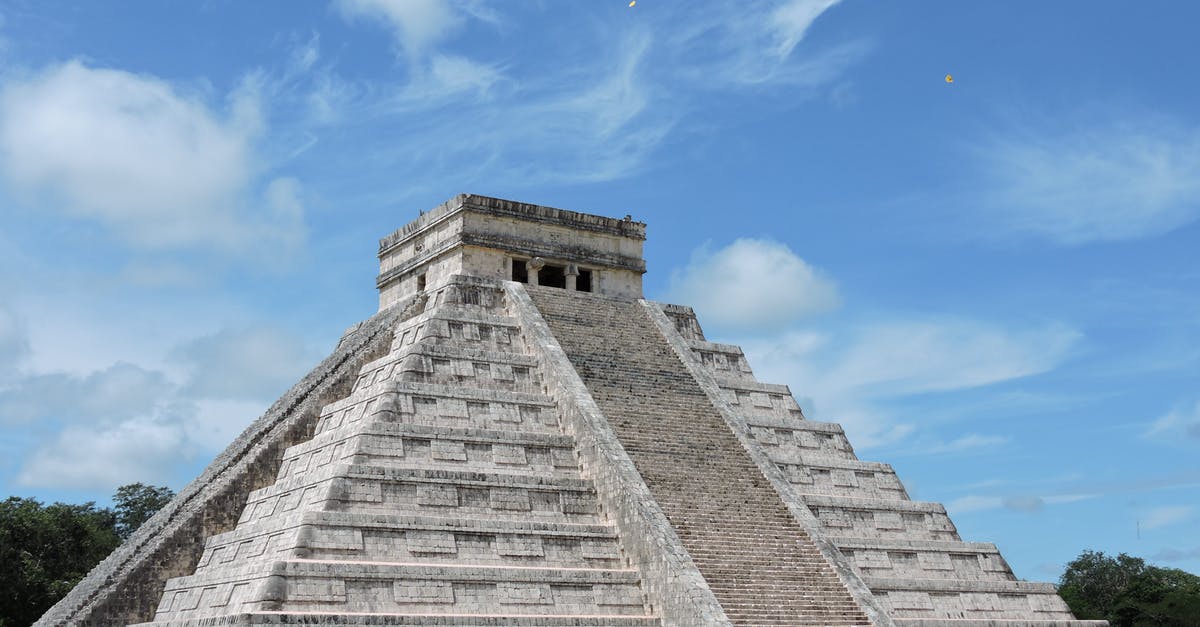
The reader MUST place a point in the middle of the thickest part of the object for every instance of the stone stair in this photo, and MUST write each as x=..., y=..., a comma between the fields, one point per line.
x=441, y=491
x=908, y=553
x=759, y=562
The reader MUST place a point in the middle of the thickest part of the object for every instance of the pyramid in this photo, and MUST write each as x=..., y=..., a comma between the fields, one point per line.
x=518, y=438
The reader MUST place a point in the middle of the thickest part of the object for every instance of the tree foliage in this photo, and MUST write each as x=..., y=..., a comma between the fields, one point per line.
x=1127, y=592
x=46, y=549
x=137, y=502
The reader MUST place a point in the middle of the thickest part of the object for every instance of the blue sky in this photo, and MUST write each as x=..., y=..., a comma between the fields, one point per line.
x=993, y=284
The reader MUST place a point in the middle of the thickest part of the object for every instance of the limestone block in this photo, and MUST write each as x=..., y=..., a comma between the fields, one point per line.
x=509, y=454
x=437, y=495
x=317, y=590
x=1017, y=604
x=867, y=558
x=513, y=499
x=519, y=545
x=421, y=591
x=506, y=413
x=420, y=542
x=524, y=594
x=905, y=600
x=598, y=549
x=888, y=521
x=448, y=450
x=615, y=594
x=947, y=604
x=452, y=408
x=934, y=561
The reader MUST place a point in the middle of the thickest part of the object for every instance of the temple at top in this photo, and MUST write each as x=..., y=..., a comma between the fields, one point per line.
x=507, y=240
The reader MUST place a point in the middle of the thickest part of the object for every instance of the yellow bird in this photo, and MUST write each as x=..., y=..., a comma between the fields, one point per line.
x=949, y=79
x=632, y=2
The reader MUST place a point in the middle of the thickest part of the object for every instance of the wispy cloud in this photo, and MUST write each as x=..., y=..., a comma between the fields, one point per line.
x=597, y=115
x=756, y=46
x=1176, y=555
x=971, y=441
x=1181, y=425
x=1166, y=516
x=1079, y=184
x=850, y=372
x=416, y=24
x=1026, y=503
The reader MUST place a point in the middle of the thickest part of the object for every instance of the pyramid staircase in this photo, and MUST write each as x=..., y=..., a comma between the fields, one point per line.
x=760, y=563
x=908, y=553
x=442, y=491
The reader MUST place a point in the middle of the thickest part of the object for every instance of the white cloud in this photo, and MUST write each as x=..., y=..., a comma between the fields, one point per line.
x=1027, y=503
x=911, y=357
x=851, y=373
x=157, y=167
x=416, y=24
x=14, y=342
x=1176, y=426
x=791, y=20
x=1176, y=555
x=728, y=45
x=106, y=455
x=1166, y=516
x=126, y=423
x=971, y=441
x=753, y=283
x=217, y=422
x=120, y=391
x=1109, y=182
x=254, y=363
x=974, y=503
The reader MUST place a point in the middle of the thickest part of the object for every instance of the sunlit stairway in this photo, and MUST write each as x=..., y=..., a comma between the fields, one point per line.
x=761, y=565
x=441, y=491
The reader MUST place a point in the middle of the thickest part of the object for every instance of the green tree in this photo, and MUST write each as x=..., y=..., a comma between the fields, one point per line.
x=136, y=503
x=45, y=551
x=1128, y=593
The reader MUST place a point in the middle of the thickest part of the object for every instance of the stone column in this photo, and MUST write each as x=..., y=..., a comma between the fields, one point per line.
x=531, y=269
x=572, y=276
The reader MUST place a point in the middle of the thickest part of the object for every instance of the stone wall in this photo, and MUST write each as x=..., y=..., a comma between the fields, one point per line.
x=125, y=587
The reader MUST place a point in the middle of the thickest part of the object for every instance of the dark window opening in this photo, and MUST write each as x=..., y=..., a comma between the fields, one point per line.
x=552, y=276
x=420, y=283
x=519, y=273
x=583, y=282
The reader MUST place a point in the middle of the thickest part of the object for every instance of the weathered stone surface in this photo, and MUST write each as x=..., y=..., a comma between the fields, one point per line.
x=482, y=453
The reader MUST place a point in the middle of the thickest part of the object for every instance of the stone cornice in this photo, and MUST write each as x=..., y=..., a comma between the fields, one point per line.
x=517, y=210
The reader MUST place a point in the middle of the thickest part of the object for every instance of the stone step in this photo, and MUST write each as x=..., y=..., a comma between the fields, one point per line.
x=881, y=518
x=812, y=440
x=968, y=599
x=995, y=622
x=905, y=558
x=446, y=406
x=401, y=445
x=373, y=489
x=404, y=588
x=454, y=362
x=312, y=619
x=710, y=490
x=347, y=536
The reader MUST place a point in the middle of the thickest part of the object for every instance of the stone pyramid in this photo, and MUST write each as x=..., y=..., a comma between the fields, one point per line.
x=517, y=438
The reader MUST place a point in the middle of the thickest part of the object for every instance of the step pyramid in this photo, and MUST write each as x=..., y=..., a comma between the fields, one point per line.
x=517, y=438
